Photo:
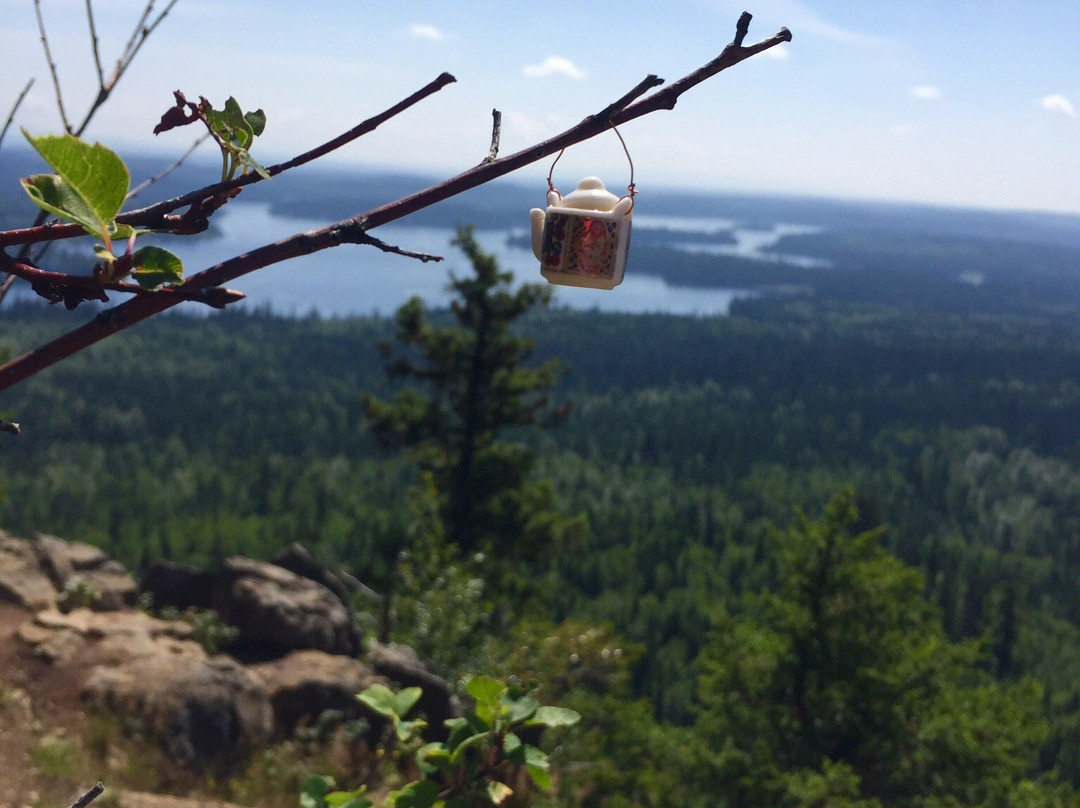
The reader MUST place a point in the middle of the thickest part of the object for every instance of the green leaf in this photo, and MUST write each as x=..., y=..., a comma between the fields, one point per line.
x=418, y=794
x=57, y=197
x=349, y=799
x=256, y=121
x=153, y=266
x=467, y=744
x=229, y=124
x=313, y=792
x=90, y=184
x=554, y=717
x=433, y=757
x=379, y=698
x=245, y=157
x=537, y=764
x=514, y=749
x=540, y=777
x=406, y=699
x=521, y=709
x=486, y=692
x=499, y=792
x=405, y=730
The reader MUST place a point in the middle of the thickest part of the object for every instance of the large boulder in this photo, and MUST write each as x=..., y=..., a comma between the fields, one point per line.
x=86, y=572
x=179, y=586
x=277, y=611
x=206, y=711
x=304, y=684
x=22, y=580
x=295, y=558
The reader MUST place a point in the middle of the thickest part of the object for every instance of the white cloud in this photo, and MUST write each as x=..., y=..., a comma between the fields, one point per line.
x=926, y=92
x=424, y=31
x=555, y=66
x=1058, y=104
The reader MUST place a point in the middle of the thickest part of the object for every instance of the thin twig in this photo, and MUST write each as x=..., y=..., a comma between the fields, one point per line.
x=138, y=38
x=642, y=87
x=52, y=66
x=75, y=289
x=354, y=230
x=156, y=216
x=89, y=796
x=390, y=248
x=15, y=108
x=122, y=64
x=142, y=186
x=95, y=44
x=496, y=134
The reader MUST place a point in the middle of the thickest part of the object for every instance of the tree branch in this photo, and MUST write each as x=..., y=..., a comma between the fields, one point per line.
x=95, y=44
x=89, y=796
x=138, y=38
x=354, y=230
x=156, y=216
x=75, y=289
x=15, y=108
x=496, y=135
x=52, y=66
x=139, y=35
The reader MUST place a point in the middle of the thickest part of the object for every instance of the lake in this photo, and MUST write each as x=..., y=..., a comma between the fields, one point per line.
x=359, y=280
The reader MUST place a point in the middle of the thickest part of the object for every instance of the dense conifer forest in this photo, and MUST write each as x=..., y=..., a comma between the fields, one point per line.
x=848, y=530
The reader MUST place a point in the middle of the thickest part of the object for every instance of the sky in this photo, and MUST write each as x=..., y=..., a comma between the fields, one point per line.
x=954, y=102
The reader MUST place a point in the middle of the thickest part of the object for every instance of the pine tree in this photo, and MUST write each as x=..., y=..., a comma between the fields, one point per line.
x=477, y=387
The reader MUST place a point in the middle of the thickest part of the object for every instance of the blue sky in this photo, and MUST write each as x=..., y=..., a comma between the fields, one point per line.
x=959, y=102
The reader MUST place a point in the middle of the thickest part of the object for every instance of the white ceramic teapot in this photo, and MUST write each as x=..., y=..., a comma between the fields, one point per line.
x=582, y=238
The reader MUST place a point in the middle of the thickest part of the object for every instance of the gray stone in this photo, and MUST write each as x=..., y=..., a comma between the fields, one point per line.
x=304, y=684
x=22, y=580
x=277, y=611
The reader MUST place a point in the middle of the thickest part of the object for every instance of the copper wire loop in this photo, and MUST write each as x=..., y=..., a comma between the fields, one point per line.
x=631, y=189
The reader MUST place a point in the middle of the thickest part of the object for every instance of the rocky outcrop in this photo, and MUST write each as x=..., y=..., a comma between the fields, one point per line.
x=305, y=684
x=22, y=580
x=277, y=611
x=295, y=659
x=179, y=586
x=205, y=710
x=85, y=573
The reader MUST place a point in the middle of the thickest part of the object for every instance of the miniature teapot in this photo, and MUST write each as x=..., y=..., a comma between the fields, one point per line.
x=582, y=238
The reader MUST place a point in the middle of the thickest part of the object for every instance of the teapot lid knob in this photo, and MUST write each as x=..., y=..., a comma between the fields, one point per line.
x=590, y=195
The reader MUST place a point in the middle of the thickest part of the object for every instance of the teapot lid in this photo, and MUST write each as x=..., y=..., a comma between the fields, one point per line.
x=590, y=195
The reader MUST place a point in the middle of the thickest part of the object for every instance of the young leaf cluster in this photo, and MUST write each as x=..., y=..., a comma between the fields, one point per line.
x=484, y=748
x=88, y=189
x=233, y=129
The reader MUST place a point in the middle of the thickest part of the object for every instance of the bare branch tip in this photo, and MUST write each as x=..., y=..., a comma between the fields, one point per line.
x=742, y=28
x=89, y=796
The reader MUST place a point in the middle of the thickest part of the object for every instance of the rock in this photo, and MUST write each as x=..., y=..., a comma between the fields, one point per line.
x=205, y=711
x=179, y=586
x=22, y=580
x=400, y=664
x=295, y=558
x=278, y=611
x=75, y=566
x=115, y=637
x=303, y=684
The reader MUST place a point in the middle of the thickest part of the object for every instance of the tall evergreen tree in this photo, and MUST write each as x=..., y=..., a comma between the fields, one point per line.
x=477, y=387
x=841, y=689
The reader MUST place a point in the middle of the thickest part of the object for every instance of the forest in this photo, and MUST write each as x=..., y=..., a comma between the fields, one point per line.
x=824, y=550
